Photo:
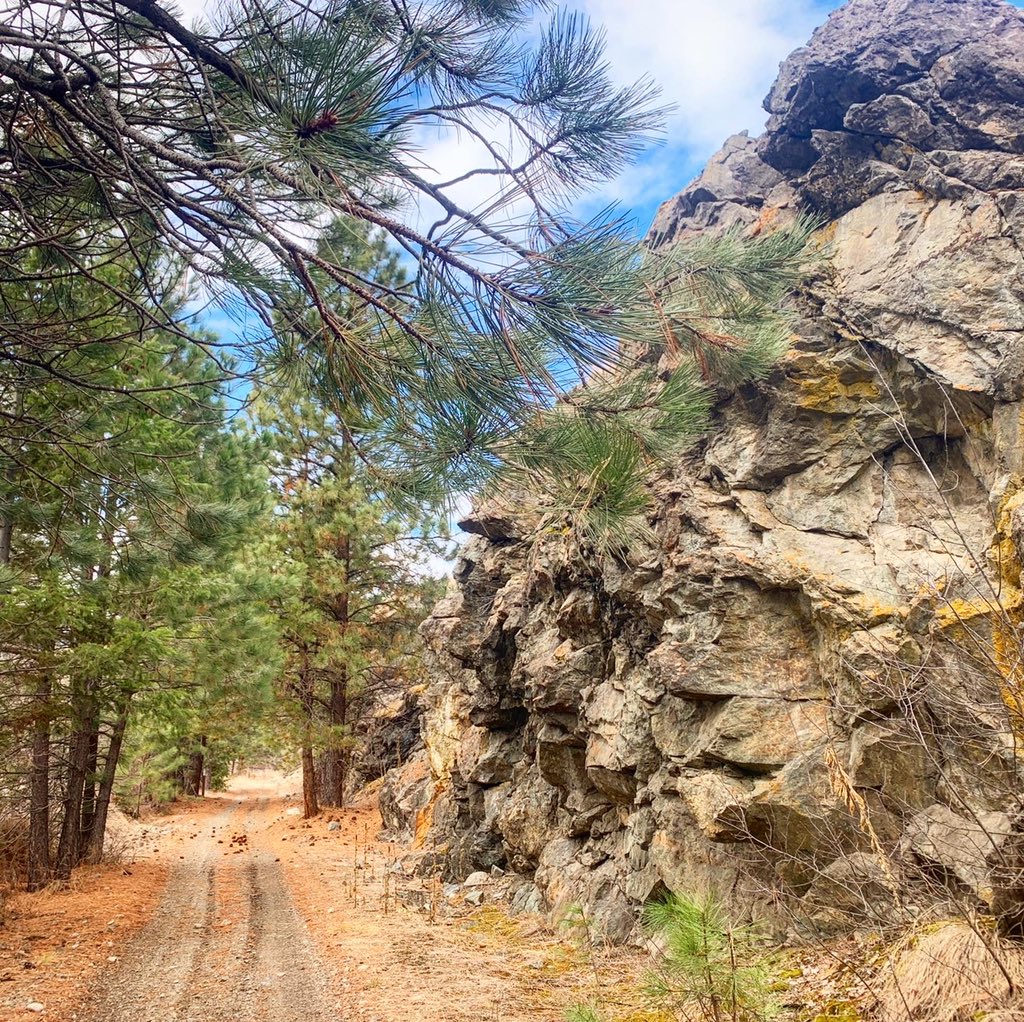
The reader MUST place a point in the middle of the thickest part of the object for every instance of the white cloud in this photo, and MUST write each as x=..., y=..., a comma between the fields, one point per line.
x=714, y=59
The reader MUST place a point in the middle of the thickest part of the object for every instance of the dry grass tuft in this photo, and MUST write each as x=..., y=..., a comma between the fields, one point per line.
x=493, y=921
x=953, y=973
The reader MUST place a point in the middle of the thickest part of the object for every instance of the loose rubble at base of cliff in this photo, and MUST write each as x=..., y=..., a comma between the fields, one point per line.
x=797, y=695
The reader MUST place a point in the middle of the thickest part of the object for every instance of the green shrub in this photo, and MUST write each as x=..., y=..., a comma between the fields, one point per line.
x=708, y=969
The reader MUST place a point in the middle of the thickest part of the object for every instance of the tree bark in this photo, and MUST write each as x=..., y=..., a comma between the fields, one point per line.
x=310, y=807
x=71, y=825
x=193, y=779
x=92, y=767
x=94, y=851
x=336, y=756
x=6, y=536
x=6, y=525
x=39, y=789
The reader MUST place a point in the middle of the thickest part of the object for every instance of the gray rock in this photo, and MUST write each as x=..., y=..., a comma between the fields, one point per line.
x=893, y=762
x=477, y=879
x=737, y=700
x=962, y=846
x=854, y=888
x=760, y=735
x=528, y=900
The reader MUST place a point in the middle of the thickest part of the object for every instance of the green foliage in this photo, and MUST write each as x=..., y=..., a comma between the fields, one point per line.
x=583, y=1013
x=708, y=969
x=350, y=559
x=311, y=115
x=585, y=464
x=128, y=608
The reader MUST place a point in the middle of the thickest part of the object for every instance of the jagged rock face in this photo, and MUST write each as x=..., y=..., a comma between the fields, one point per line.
x=731, y=705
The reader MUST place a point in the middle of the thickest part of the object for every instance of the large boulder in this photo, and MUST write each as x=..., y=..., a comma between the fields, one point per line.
x=777, y=688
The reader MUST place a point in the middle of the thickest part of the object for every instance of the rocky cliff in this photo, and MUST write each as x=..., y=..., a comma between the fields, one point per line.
x=809, y=684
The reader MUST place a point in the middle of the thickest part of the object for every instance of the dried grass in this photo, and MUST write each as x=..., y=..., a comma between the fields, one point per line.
x=953, y=973
x=13, y=855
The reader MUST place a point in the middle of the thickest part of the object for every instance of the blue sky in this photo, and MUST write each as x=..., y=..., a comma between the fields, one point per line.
x=716, y=60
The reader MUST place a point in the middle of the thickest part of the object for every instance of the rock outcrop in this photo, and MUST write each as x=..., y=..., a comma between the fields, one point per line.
x=809, y=682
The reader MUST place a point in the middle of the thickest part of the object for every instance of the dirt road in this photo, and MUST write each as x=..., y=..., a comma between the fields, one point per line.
x=226, y=942
x=267, y=917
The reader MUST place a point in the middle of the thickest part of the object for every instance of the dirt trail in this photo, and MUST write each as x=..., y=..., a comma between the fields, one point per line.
x=266, y=917
x=226, y=942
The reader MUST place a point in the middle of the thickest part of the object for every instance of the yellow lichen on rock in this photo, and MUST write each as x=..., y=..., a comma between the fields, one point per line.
x=828, y=393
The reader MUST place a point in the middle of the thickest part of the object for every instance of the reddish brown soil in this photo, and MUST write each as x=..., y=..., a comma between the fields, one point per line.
x=56, y=943
x=241, y=911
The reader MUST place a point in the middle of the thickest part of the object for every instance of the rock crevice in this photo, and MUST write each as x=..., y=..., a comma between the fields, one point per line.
x=792, y=647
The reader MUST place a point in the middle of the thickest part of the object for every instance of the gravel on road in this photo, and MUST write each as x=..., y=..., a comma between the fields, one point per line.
x=225, y=945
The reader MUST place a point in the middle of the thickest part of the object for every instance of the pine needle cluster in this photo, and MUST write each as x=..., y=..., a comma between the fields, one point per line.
x=720, y=306
x=708, y=970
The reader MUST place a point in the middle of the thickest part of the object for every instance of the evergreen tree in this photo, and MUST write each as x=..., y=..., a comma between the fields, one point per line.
x=351, y=551
x=133, y=137
x=111, y=545
x=357, y=593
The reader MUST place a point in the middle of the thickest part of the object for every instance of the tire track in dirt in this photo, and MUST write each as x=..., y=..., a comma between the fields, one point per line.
x=255, y=964
x=280, y=973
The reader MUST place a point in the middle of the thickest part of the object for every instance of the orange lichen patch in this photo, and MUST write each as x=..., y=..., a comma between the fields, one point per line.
x=827, y=234
x=768, y=218
x=998, y=609
x=829, y=394
x=1006, y=640
x=1004, y=551
x=55, y=943
x=425, y=817
x=960, y=611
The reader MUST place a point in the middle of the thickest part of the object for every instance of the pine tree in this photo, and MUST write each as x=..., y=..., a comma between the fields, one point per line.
x=357, y=595
x=136, y=138
x=112, y=532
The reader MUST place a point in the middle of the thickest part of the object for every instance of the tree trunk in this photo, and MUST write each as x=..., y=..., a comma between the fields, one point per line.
x=336, y=756
x=92, y=769
x=71, y=825
x=6, y=525
x=194, y=769
x=310, y=808
x=39, y=789
x=94, y=851
x=6, y=535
